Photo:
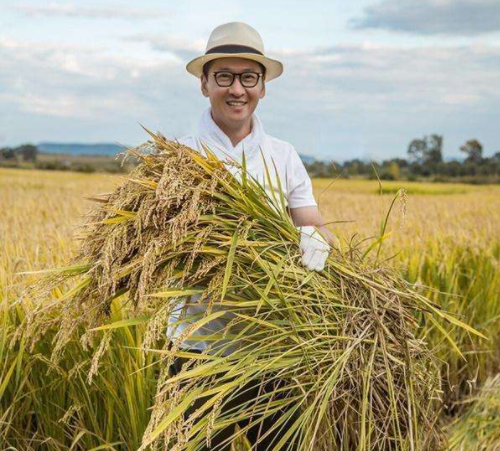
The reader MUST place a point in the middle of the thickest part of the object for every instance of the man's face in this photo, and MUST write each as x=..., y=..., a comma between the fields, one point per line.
x=232, y=116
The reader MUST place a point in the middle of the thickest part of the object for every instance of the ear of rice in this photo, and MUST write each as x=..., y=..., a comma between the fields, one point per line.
x=342, y=343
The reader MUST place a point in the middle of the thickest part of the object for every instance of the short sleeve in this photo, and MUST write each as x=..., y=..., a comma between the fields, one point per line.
x=300, y=191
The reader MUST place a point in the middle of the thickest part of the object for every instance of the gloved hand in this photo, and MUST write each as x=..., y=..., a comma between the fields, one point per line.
x=314, y=248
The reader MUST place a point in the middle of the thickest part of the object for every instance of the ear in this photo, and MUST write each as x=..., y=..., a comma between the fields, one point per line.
x=203, y=85
x=263, y=90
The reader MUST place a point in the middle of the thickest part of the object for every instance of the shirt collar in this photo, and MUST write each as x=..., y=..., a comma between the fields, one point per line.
x=211, y=133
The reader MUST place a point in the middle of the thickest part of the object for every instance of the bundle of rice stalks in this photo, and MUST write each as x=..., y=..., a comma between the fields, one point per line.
x=478, y=428
x=339, y=346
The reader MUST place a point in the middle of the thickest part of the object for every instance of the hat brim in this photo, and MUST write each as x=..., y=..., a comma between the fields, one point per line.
x=273, y=67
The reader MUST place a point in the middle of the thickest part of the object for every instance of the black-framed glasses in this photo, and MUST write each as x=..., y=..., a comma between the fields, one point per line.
x=225, y=78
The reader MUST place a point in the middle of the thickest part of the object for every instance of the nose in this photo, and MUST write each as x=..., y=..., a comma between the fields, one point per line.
x=237, y=88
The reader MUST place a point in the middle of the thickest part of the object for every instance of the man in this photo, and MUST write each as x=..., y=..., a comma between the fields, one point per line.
x=226, y=126
x=233, y=72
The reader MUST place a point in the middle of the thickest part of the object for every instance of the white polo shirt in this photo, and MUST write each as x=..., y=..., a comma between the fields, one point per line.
x=257, y=146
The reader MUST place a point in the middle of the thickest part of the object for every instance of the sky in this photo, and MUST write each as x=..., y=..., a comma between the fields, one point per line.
x=361, y=79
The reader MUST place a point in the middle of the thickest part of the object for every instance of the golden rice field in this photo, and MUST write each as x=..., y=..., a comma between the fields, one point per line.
x=41, y=209
x=444, y=236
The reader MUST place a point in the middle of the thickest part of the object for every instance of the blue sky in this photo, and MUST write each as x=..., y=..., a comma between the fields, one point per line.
x=361, y=78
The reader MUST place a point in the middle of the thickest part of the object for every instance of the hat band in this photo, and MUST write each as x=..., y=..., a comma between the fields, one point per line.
x=233, y=48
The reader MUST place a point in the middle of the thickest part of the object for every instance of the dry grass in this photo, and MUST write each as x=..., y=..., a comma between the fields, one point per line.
x=342, y=343
x=445, y=239
x=470, y=217
x=41, y=210
x=478, y=428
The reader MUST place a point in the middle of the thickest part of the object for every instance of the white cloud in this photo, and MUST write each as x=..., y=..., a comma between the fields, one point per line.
x=75, y=81
x=183, y=49
x=350, y=99
x=429, y=17
x=58, y=9
x=329, y=101
x=388, y=76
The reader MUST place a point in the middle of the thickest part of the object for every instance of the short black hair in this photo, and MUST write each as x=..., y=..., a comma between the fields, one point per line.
x=206, y=68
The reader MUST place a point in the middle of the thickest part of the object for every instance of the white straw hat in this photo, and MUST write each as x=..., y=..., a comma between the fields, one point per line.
x=235, y=39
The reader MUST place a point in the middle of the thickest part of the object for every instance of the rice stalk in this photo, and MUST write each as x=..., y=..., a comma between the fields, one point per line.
x=478, y=428
x=342, y=346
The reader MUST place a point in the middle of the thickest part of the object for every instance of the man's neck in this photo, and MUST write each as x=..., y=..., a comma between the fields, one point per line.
x=235, y=134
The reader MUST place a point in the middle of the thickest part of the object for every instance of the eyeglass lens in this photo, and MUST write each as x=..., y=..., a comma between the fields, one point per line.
x=247, y=79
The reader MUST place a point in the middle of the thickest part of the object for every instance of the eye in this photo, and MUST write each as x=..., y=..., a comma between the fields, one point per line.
x=249, y=77
x=224, y=75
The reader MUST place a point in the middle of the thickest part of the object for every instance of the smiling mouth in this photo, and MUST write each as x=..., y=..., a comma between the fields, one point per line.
x=236, y=104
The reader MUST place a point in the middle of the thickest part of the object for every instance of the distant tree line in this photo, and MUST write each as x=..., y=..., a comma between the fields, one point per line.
x=26, y=152
x=28, y=156
x=425, y=161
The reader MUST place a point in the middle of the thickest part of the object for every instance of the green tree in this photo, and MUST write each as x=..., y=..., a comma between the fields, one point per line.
x=428, y=150
x=393, y=170
x=28, y=152
x=435, y=149
x=474, y=151
x=417, y=150
x=7, y=153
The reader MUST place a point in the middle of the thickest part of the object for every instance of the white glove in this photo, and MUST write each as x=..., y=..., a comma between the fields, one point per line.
x=314, y=248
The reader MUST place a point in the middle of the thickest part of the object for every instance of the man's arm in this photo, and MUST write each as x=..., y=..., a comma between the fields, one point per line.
x=311, y=216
